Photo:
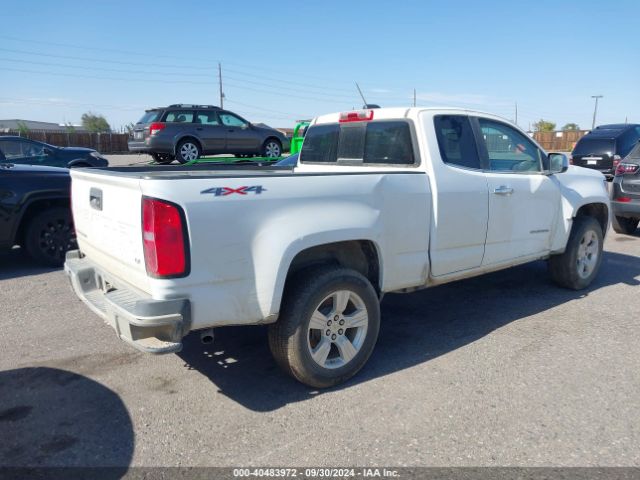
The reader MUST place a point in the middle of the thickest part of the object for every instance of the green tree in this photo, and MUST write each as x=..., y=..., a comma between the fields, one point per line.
x=23, y=129
x=544, y=126
x=570, y=126
x=95, y=123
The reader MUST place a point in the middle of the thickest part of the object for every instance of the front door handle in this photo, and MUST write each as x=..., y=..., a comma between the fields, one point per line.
x=503, y=190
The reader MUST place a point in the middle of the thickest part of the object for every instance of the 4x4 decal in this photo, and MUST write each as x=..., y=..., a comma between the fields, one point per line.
x=224, y=191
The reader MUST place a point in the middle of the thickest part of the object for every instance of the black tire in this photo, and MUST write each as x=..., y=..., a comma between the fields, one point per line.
x=188, y=150
x=292, y=339
x=272, y=148
x=625, y=225
x=576, y=267
x=49, y=235
x=162, y=158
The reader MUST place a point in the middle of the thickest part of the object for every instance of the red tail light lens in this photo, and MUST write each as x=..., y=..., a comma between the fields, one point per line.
x=623, y=199
x=164, y=239
x=155, y=127
x=356, y=116
x=627, y=168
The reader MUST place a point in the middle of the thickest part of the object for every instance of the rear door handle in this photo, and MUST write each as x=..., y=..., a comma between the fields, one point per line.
x=503, y=190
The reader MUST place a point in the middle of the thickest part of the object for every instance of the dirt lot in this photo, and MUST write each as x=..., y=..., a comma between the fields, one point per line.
x=505, y=369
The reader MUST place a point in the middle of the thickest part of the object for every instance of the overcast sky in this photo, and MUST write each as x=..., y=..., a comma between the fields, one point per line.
x=283, y=61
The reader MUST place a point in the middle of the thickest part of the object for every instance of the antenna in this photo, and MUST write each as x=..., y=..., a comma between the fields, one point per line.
x=360, y=92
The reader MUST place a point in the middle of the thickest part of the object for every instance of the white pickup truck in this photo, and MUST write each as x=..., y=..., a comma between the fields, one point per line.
x=384, y=200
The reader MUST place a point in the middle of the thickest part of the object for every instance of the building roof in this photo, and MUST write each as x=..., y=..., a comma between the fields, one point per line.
x=15, y=124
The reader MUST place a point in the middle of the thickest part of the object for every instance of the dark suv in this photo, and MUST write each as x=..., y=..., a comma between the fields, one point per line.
x=185, y=132
x=604, y=147
x=625, y=193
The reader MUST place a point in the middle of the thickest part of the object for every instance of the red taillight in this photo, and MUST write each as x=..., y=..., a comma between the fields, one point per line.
x=623, y=199
x=155, y=127
x=356, y=116
x=616, y=160
x=626, y=168
x=164, y=239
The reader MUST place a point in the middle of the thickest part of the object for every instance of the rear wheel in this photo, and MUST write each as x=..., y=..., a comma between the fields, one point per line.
x=579, y=264
x=187, y=151
x=162, y=158
x=625, y=225
x=328, y=326
x=271, y=148
x=49, y=235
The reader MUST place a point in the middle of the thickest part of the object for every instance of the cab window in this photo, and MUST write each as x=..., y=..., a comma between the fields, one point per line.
x=456, y=141
x=508, y=150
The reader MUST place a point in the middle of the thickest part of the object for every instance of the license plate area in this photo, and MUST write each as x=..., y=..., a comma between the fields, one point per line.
x=138, y=135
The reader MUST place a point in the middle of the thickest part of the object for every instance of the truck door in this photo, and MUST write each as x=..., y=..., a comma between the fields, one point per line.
x=460, y=197
x=523, y=201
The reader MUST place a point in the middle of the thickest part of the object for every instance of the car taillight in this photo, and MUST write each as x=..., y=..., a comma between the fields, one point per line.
x=155, y=127
x=616, y=160
x=356, y=116
x=164, y=239
x=623, y=199
x=626, y=168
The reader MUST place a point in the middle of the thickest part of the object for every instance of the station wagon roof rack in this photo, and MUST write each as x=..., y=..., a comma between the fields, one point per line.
x=188, y=105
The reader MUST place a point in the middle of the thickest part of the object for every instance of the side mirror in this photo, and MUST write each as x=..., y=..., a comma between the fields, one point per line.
x=558, y=163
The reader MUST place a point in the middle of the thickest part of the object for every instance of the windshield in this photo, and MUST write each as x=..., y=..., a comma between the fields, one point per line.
x=150, y=116
x=587, y=146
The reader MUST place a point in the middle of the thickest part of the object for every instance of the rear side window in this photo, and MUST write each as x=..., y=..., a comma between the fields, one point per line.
x=179, y=116
x=388, y=142
x=597, y=146
x=150, y=116
x=456, y=141
x=321, y=144
x=382, y=142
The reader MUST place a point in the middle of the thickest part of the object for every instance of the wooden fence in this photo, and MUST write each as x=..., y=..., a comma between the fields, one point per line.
x=559, y=141
x=103, y=142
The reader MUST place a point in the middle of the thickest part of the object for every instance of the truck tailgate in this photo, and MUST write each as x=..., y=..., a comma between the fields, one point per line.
x=107, y=217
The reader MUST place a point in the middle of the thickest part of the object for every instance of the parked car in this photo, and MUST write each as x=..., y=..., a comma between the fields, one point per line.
x=19, y=150
x=385, y=200
x=35, y=211
x=625, y=193
x=185, y=132
x=604, y=147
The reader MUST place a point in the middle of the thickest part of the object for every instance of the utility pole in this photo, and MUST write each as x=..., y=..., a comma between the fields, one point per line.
x=516, y=113
x=220, y=82
x=414, y=97
x=595, y=110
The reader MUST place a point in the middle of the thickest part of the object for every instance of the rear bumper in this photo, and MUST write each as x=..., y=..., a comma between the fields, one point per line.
x=626, y=209
x=153, y=144
x=152, y=326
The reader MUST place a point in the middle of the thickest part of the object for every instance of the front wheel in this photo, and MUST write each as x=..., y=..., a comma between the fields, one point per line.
x=187, y=151
x=625, y=225
x=49, y=235
x=328, y=326
x=272, y=149
x=579, y=264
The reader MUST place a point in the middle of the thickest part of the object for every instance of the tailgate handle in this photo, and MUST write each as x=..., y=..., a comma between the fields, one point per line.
x=95, y=198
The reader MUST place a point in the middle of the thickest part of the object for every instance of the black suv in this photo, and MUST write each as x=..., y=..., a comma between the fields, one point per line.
x=185, y=132
x=30, y=152
x=604, y=147
x=35, y=211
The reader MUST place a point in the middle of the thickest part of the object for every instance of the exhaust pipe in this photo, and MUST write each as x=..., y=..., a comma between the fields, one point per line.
x=206, y=336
